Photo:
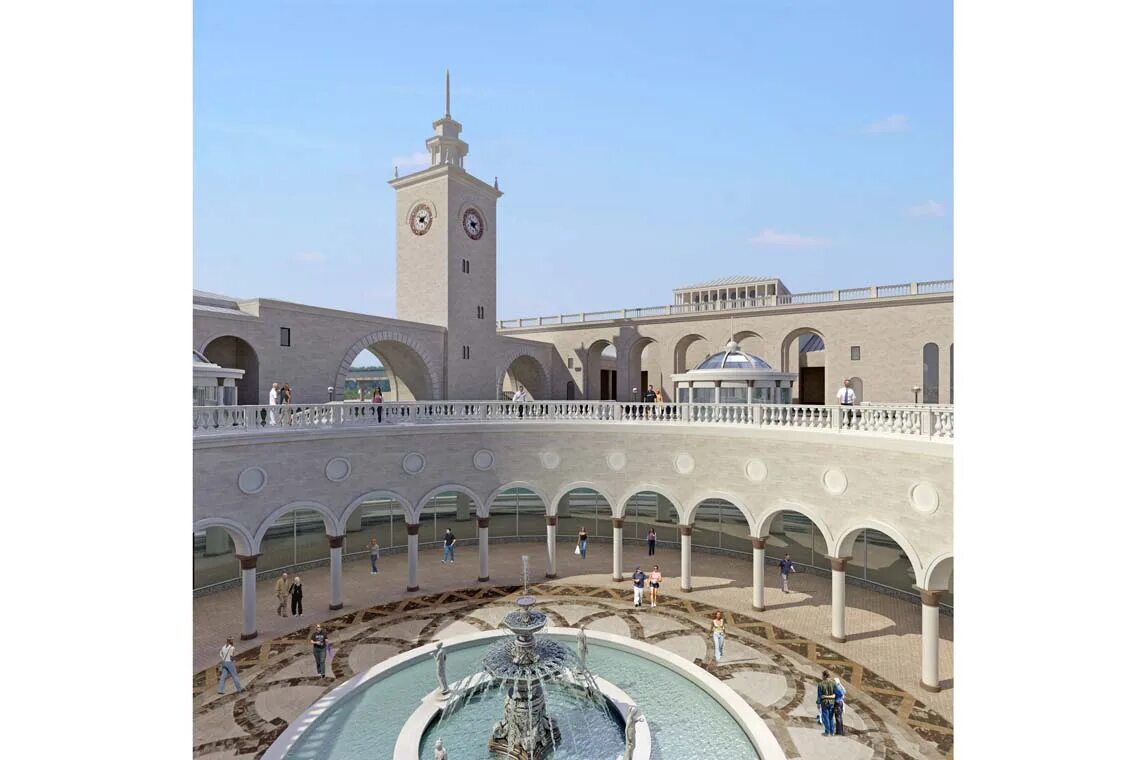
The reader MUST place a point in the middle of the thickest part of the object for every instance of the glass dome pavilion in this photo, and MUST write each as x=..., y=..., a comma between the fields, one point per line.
x=733, y=376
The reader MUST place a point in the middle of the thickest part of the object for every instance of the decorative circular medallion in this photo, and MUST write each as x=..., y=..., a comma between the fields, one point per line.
x=473, y=224
x=414, y=463
x=420, y=219
x=338, y=469
x=483, y=459
x=756, y=470
x=550, y=459
x=924, y=497
x=834, y=481
x=684, y=464
x=252, y=480
x=616, y=460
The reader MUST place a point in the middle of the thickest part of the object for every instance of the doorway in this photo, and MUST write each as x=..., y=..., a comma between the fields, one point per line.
x=811, y=385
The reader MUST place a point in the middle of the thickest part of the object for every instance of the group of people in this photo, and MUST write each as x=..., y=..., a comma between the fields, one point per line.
x=639, y=581
x=289, y=593
x=278, y=396
x=322, y=655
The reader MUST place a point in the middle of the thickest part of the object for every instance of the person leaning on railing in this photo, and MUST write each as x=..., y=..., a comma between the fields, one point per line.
x=378, y=401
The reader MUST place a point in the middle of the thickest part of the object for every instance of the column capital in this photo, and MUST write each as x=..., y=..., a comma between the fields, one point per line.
x=617, y=521
x=931, y=598
x=413, y=530
x=248, y=562
x=335, y=542
x=839, y=564
x=759, y=543
x=483, y=522
x=686, y=530
x=552, y=519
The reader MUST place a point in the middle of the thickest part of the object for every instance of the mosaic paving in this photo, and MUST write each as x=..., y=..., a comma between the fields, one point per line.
x=773, y=669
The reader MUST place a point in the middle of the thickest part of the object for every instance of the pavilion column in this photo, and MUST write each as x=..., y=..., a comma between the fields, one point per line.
x=686, y=557
x=931, y=681
x=838, y=598
x=484, y=525
x=758, y=572
x=618, y=531
x=248, y=596
x=336, y=549
x=413, y=555
x=551, y=537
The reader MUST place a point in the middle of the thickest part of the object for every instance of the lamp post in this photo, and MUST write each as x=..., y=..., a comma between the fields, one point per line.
x=331, y=389
x=916, y=389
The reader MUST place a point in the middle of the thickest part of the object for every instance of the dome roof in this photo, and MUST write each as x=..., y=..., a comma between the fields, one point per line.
x=733, y=358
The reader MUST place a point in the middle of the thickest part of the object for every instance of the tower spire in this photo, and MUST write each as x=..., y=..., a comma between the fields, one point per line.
x=447, y=93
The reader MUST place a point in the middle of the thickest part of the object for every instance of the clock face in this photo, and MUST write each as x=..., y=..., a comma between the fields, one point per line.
x=473, y=224
x=420, y=219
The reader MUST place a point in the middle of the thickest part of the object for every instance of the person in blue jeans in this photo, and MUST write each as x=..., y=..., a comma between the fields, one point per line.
x=718, y=635
x=320, y=641
x=839, y=694
x=449, y=546
x=374, y=554
x=786, y=569
x=227, y=669
x=582, y=542
x=825, y=699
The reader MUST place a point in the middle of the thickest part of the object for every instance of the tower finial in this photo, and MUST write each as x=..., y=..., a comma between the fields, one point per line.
x=447, y=93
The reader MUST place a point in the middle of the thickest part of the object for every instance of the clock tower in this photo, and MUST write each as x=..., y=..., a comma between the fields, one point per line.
x=445, y=255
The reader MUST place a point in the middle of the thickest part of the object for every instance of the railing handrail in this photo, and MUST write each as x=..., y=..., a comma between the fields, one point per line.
x=929, y=287
x=931, y=422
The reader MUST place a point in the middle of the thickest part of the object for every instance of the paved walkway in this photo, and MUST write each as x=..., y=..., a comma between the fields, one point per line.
x=787, y=644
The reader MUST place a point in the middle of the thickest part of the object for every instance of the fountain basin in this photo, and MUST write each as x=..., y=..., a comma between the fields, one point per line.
x=687, y=709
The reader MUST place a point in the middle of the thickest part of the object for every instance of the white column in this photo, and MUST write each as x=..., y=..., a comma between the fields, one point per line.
x=484, y=524
x=838, y=598
x=931, y=681
x=758, y=572
x=248, y=596
x=686, y=557
x=551, y=538
x=413, y=555
x=336, y=549
x=618, y=531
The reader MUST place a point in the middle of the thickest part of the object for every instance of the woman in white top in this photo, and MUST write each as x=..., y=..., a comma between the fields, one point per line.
x=227, y=669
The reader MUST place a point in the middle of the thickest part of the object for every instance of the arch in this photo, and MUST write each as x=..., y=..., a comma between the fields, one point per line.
x=930, y=373
x=857, y=386
x=342, y=523
x=596, y=387
x=681, y=350
x=325, y=512
x=752, y=342
x=764, y=522
x=845, y=542
x=530, y=373
x=236, y=353
x=936, y=575
x=243, y=541
x=516, y=484
x=631, y=356
x=412, y=350
x=790, y=340
x=552, y=505
x=648, y=488
x=687, y=513
x=714, y=527
x=812, y=384
x=480, y=509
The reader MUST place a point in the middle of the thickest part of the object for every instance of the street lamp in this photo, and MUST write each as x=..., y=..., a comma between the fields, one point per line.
x=331, y=389
x=916, y=389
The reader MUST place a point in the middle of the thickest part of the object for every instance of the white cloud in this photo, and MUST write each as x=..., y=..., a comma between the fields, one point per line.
x=770, y=237
x=314, y=257
x=930, y=208
x=894, y=123
x=417, y=160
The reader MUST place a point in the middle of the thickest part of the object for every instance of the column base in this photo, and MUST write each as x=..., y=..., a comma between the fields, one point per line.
x=690, y=588
x=413, y=588
x=552, y=575
x=925, y=687
x=336, y=606
x=761, y=608
x=839, y=639
x=483, y=578
x=248, y=636
x=618, y=579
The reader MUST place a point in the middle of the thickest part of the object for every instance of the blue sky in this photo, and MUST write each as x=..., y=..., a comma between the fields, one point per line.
x=640, y=146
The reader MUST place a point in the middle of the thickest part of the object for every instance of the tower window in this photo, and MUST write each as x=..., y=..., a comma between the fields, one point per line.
x=286, y=336
x=467, y=352
x=465, y=265
x=479, y=312
x=855, y=353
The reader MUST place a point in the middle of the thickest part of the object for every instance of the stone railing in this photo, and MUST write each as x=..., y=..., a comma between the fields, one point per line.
x=927, y=422
x=870, y=292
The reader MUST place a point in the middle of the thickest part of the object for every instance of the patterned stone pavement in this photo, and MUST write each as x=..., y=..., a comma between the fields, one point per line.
x=773, y=668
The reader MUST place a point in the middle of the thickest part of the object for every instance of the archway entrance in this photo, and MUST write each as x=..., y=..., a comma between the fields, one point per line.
x=794, y=533
x=584, y=508
x=233, y=352
x=406, y=371
x=601, y=369
x=690, y=351
x=804, y=352
x=518, y=512
x=367, y=374
x=381, y=518
x=215, y=558
x=448, y=509
x=527, y=373
x=645, y=369
x=649, y=509
x=295, y=538
x=877, y=558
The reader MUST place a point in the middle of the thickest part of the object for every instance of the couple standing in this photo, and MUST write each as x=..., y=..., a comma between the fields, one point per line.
x=289, y=592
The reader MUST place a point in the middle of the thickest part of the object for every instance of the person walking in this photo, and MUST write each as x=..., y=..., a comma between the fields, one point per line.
x=448, y=546
x=825, y=699
x=718, y=635
x=582, y=542
x=378, y=400
x=840, y=692
x=846, y=394
x=227, y=669
x=654, y=584
x=282, y=592
x=638, y=586
x=651, y=540
x=786, y=569
x=374, y=554
x=296, y=593
x=320, y=642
